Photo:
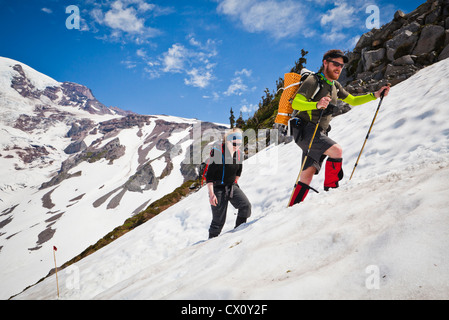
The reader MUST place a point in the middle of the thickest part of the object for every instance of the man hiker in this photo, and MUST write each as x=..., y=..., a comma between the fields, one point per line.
x=223, y=173
x=309, y=114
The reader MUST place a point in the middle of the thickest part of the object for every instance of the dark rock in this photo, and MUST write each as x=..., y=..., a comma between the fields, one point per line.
x=444, y=54
x=143, y=179
x=428, y=39
x=399, y=15
x=75, y=147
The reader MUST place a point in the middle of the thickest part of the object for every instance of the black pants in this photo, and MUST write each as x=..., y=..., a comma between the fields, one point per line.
x=237, y=198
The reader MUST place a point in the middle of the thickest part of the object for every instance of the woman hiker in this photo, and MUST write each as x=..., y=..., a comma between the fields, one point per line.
x=222, y=176
x=310, y=102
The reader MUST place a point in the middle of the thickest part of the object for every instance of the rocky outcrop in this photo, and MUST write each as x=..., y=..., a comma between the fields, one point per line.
x=67, y=94
x=143, y=179
x=399, y=49
x=111, y=151
x=129, y=121
x=75, y=147
x=76, y=95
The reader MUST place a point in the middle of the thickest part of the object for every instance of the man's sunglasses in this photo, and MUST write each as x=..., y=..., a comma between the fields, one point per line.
x=337, y=64
x=236, y=144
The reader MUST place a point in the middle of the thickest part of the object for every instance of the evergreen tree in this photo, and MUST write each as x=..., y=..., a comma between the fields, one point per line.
x=299, y=65
x=232, y=119
x=240, y=122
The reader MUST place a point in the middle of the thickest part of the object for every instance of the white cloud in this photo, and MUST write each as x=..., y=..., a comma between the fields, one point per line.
x=333, y=37
x=215, y=96
x=244, y=72
x=237, y=87
x=279, y=18
x=342, y=20
x=47, y=10
x=340, y=17
x=173, y=60
x=129, y=64
x=141, y=53
x=248, y=107
x=193, y=59
x=126, y=19
x=198, y=78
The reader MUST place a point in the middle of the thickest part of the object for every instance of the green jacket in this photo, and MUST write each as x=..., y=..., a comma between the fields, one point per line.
x=308, y=107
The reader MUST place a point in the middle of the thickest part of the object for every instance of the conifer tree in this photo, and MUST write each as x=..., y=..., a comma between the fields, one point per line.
x=240, y=122
x=232, y=119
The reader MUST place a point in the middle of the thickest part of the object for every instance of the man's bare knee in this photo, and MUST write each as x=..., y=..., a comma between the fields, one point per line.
x=335, y=151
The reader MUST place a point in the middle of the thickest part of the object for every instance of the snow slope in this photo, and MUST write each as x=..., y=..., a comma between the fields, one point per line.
x=382, y=235
x=78, y=211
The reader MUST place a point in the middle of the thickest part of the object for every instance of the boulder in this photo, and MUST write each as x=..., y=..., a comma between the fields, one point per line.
x=397, y=74
x=399, y=15
x=403, y=61
x=444, y=54
x=373, y=58
x=412, y=27
x=428, y=39
x=432, y=17
x=365, y=40
x=75, y=147
x=402, y=44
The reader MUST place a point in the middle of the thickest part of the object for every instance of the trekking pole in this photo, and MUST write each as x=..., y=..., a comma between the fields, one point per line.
x=307, y=154
x=369, y=131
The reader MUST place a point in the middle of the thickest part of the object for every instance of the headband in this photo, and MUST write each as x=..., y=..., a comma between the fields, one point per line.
x=234, y=136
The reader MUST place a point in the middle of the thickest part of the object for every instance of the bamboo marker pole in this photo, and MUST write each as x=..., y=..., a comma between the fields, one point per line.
x=56, y=269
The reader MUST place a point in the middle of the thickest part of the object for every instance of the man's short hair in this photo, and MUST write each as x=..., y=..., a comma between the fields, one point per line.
x=335, y=53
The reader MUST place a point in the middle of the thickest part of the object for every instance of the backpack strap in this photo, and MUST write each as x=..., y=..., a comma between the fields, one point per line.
x=319, y=86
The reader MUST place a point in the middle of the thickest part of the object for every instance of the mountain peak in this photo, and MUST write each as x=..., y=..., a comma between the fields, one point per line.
x=75, y=168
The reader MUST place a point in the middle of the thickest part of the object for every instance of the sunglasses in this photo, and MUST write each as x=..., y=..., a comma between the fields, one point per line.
x=337, y=64
x=236, y=144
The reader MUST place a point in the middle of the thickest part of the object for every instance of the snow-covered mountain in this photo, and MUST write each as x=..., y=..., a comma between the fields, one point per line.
x=382, y=235
x=73, y=169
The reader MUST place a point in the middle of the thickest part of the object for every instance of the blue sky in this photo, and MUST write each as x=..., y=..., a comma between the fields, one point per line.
x=187, y=58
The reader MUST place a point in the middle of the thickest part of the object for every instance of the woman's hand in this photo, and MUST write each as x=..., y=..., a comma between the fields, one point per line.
x=213, y=199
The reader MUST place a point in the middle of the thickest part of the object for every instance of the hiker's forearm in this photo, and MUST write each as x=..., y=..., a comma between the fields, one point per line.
x=358, y=100
x=302, y=104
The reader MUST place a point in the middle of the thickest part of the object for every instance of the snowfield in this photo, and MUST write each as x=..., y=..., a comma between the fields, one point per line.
x=382, y=235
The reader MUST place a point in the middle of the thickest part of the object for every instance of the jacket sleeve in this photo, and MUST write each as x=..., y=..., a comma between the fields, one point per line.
x=239, y=171
x=358, y=100
x=302, y=104
x=211, y=172
x=215, y=167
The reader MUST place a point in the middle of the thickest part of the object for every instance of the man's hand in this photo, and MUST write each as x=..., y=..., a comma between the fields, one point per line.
x=323, y=103
x=379, y=92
